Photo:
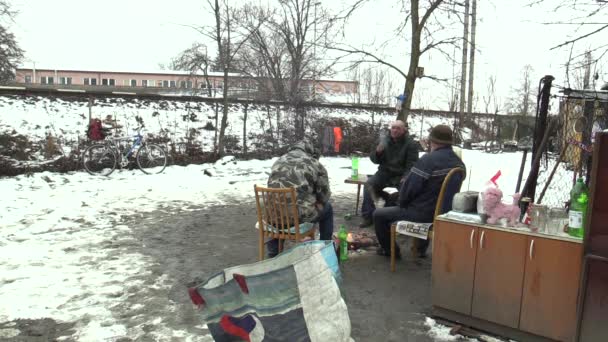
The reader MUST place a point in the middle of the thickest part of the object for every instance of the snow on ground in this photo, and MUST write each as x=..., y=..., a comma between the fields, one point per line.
x=57, y=231
x=66, y=119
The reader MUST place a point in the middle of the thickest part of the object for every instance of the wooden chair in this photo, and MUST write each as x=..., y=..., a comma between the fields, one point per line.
x=278, y=216
x=450, y=187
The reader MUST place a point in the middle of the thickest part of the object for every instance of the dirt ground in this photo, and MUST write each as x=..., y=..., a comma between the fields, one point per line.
x=189, y=246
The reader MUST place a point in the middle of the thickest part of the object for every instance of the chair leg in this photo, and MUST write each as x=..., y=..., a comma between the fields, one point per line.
x=393, y=238
x=261, y=249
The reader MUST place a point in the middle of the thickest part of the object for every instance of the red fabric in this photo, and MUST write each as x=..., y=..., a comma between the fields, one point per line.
x=196, y=297
x=496, y=176
x=337, y=138
x=233, y=329
x=240, y=279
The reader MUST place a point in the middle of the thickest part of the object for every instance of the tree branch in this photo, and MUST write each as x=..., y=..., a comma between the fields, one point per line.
x=579, y=38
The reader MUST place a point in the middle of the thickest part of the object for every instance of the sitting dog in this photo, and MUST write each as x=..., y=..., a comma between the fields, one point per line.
x=495, y=209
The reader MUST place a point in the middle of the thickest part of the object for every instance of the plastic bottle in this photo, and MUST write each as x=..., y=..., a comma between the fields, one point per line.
x=355, y=167
x=343, y=235
x=578, y=188
x=576, y=215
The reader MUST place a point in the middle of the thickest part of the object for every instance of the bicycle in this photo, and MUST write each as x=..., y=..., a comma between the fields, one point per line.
x=101, y=158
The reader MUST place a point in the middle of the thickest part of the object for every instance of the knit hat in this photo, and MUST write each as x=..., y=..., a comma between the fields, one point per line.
x=441, y=134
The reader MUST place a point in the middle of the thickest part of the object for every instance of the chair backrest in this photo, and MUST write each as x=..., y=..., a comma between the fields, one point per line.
x=277, y=212
x=450, y=187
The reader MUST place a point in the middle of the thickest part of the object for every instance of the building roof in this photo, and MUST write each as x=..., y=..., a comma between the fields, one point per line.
x=161, y=72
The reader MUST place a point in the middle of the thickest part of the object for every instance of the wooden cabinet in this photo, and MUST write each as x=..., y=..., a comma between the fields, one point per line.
x=454, y=250
x=499, y=273
x=550, y=290
x=524, y=282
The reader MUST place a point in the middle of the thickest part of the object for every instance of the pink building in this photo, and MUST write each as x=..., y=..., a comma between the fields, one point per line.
x=179, y=80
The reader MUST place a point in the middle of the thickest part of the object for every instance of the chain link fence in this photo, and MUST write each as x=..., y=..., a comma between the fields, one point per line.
x=580, y=116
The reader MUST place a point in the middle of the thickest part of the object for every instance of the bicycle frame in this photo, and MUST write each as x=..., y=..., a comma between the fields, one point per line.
x=113, y=143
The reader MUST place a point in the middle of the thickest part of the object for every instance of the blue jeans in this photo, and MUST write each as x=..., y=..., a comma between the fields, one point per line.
x=325, y=219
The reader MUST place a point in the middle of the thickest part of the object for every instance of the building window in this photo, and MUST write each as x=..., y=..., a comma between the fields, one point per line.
x=172, y=84
x=133, y=83
x=144, y=83
x=90, y=81
x=112, y=82
x=46, y=80
x=151, y=83
x=65, y=80
x=86, y=81
x=165, y=84
x=182, y=84
x=108, y=82
x=28, y=79
x=185, y=84
x=104, y=81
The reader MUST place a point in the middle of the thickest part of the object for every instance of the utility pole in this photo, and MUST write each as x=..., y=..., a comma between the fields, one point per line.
x=314, y=52
x=472, y=58
x=463, y=73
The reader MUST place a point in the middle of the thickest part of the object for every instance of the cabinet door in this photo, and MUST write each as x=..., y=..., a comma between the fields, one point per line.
x=454, y=249
x=551, y=285
x=499, y=274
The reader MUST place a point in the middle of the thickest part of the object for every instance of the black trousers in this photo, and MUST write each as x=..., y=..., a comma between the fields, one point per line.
x=383, y=218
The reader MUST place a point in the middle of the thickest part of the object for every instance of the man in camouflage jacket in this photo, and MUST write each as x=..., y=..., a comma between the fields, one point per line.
x=300, y=168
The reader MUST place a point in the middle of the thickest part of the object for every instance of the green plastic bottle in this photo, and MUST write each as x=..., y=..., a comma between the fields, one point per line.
x=576, y=216
x=354, y=167
x=578, y=188
x=343, y=235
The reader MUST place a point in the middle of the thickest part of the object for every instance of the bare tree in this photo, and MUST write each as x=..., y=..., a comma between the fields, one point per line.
x=490, y=99
x=425, y=35
x=229, y=40
x=587, y=19
x=522, y=98
x=194, y=60
x=10, y=52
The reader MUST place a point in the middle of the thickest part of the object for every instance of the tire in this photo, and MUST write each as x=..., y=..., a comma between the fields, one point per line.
x=151, y=159
x=99, y=159
x=493, y=146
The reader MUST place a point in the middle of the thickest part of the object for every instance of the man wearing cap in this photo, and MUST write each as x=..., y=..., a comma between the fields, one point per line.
x=419, y=193
x=395, y=155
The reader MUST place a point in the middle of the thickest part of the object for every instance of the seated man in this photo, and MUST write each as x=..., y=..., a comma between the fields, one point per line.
x=395, y=155
x=300, y=168
x=419, y=193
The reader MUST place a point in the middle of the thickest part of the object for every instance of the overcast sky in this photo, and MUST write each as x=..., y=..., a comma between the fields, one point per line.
x=141, y=34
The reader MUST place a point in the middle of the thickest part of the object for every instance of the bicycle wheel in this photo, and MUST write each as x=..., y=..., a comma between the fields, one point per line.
x=151, y=159
x=99, y=159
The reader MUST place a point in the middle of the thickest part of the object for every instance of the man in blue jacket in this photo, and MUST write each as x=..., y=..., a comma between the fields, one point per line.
x=419, y=193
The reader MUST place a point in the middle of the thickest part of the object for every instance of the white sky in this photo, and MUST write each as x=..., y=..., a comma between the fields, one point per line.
x=140, y=34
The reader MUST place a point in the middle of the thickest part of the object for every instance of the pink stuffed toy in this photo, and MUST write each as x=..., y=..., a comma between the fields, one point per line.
x=495, y=209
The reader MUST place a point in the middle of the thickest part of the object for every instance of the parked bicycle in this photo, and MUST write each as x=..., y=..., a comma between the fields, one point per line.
x=102, y=158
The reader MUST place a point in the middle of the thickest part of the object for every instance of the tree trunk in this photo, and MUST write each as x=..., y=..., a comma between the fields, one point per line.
x=410, y=79
x=215, y=140
x=472, y=57
x=245, y=128
x=463, y=74
x=224, y=124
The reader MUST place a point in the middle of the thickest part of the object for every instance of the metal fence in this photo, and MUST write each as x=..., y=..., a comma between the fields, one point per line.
x=581, y=115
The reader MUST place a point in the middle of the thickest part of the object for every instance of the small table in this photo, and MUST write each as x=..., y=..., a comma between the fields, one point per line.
x=360, y=180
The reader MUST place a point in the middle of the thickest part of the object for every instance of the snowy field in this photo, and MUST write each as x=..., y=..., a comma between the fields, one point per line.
x=56, y=228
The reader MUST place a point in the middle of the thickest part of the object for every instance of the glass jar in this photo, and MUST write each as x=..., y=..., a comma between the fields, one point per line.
x=558, y=220
x=538, y=218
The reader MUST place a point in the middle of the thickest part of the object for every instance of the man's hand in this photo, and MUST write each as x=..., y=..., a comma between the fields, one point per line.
x=380, y=148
